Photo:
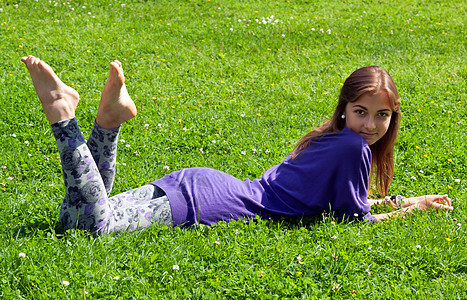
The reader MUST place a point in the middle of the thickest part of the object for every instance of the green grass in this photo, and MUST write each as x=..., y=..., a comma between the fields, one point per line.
x=192, y=64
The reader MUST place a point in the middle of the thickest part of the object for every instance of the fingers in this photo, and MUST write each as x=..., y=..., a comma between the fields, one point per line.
x=444, y=199
x=439, y=206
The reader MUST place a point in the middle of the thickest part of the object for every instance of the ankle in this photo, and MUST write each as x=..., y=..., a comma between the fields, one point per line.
x=59, y=111
x=106, y=123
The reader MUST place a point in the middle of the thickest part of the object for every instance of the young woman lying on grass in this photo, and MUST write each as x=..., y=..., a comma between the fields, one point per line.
x=329, y=170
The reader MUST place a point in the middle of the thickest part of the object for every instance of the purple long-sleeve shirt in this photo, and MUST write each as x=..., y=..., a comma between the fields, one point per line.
x=332, y=174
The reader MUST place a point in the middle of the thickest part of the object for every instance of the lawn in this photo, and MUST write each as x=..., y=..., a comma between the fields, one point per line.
x=233, y=85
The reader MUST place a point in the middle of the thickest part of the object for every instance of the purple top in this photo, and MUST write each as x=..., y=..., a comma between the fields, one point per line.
x=332, y=174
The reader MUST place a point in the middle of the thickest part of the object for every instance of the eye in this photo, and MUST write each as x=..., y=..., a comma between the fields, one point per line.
x=360, y=112
x=383, y=114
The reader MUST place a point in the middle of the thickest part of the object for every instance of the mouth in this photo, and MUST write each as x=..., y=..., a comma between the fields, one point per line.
x=367, y=135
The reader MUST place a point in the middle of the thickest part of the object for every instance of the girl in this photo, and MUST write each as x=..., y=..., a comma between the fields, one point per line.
x=329, y=170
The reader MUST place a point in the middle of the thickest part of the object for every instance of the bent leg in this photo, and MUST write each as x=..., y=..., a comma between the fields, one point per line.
x=103, y=146
x=140, y=208
x=86, y=205
x=115, y=108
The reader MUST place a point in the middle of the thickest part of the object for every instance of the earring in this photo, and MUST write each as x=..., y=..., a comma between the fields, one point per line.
x=342, y=116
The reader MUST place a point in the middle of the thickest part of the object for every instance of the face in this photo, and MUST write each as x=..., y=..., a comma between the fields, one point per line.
x=369, y=116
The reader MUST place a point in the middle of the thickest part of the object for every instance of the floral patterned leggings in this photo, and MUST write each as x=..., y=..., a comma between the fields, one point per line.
x=89, y=172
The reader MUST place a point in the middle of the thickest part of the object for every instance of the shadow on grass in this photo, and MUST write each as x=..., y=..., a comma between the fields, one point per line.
x=39, y=225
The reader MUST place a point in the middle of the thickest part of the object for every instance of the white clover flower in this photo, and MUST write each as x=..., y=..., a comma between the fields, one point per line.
x=457, y=180
x=22, y=255
x=328, y=31
x=213, y=141
x=116, y=278
x=65, y=283
x=27, y=143
x=127, y=145
x=267, y=151
x=243, y=152
x=217, y=242
x=185, y=129
x=122, y=141
x=333, y=237
x=283, y=35
x=413, y=177
x=146, y=126
x=13, y=135
x=175, y=267
x=166, y=168
x=242, y=115
x=254, y=150
x=122, y=5
x=312, y=29
x=418, y=246
x=159, y=125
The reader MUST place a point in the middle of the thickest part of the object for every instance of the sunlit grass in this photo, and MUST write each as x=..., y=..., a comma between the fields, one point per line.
x=232, y=85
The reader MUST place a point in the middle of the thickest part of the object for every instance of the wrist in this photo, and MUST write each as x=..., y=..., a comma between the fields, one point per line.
x=394, y=201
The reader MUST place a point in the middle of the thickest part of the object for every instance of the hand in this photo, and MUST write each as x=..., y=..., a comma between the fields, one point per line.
x=428, y=201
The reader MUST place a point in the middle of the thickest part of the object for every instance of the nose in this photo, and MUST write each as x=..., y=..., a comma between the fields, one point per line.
x=370, y=123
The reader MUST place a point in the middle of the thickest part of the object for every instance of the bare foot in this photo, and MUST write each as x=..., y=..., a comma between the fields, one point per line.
x=116, y=106
x=59, y=101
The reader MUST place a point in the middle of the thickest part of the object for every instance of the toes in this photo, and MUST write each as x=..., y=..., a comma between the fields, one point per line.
x=113, y=66
x=36, y=61
x=27, y=59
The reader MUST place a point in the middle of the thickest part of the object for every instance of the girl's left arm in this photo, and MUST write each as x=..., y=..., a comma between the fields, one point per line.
x=419, y=203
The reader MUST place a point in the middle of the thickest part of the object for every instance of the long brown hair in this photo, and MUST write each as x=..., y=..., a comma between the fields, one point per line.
x=370, y=80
